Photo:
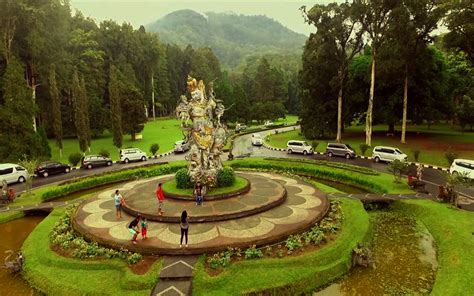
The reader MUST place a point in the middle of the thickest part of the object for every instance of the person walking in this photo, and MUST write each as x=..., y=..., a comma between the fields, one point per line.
x=144, y=226
x=198, y=191
x=184, y=225
x=118, y=201
x=161, y=198
x=133, y=228
x=419, y=171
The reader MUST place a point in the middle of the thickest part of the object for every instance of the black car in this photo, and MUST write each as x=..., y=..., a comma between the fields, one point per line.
x=90, y=161
x=51, y=168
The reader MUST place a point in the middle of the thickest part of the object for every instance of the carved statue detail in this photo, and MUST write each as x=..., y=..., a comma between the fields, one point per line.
x=206, y=135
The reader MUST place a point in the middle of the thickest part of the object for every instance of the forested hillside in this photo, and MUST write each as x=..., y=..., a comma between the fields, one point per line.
x=232, y=37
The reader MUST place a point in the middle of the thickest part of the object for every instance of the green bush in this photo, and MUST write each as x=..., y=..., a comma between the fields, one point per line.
x=225, y=177
x=398, y=168
x=154, y=148
x=363, y=148
x=294, y=242
x=416, y=154
x=314, y=144
x=75, y=158
x=183, y=180
x=253, y=253
x=450, y=156
x=104, y=153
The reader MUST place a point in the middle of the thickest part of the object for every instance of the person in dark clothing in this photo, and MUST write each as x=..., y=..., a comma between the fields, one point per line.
x=133, y=228
x=198, y=191
x=184, y=228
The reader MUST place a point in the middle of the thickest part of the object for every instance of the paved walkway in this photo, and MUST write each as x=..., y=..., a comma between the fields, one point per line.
x=175, y=276
x=303, y=206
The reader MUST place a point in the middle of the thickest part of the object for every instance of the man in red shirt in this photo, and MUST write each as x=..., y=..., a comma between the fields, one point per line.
x=161, y=198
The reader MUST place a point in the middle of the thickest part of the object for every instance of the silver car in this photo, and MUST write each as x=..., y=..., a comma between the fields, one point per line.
x=337, y=149
x=299, y=147
x=388, y=154
x=181, y=146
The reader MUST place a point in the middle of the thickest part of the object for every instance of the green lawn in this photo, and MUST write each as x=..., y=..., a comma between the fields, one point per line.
x=165, y=132
x=290, y=275
x=452, y=230
x=53, y=274
x=433, y=143
x=239, y=183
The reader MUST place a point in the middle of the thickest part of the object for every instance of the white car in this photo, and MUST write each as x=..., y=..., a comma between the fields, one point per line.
x=463, y=166
x=132, y=154
x=257, y=140
x=12, y=173
x=268, y=123
x=299, y=147
x=388, y=154
x=181, y=146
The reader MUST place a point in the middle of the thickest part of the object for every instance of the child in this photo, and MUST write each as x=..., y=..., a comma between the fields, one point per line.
x=144, y=225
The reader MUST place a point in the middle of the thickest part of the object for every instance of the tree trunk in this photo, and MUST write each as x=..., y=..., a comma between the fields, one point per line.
x=339, y=113
x=33, y=96
x=405, y=107
x=134, y=136
x=153, y=96
x=60, y=153
x=368, y=120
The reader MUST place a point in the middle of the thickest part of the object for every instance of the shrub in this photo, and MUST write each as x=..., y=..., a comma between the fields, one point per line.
x=416, y=154
x=253, y=253
x=134, y=258
x=225, y=177
x=104, y=153
x=314, y=144
x=183, y=180
x=363, y=148
x=293, y=242
x=154, y=148
x=450, y=156
x=75, y=158
x=397, y=168
x=218, y=260
x=314, y=236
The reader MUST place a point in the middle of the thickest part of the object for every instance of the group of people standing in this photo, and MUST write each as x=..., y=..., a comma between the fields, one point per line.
x=140, y=225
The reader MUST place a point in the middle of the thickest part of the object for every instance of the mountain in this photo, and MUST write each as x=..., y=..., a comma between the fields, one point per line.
x=231, y=36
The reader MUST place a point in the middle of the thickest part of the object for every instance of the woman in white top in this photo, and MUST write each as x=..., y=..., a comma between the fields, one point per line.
x=118, y=201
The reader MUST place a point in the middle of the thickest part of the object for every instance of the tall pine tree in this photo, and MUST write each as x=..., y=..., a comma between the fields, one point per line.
x=79, y=98
x=115, y=108
x=56, y=109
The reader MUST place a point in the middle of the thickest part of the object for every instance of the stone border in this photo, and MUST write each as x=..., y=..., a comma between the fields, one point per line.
x=210, y=218
x=234, y=193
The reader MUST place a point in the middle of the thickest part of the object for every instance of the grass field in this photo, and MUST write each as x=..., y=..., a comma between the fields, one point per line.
x=165, y=132
x=432, y=143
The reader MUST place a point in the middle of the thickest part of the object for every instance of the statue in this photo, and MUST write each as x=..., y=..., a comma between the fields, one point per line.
x=206, y=135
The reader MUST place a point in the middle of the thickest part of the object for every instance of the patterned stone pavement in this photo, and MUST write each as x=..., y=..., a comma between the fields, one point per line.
x=264, y=194
x=304, y=205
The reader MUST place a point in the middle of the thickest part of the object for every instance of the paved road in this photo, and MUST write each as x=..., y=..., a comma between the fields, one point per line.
x=243, y=147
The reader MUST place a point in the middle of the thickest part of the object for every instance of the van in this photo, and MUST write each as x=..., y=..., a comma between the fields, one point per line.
x=337, y=149
x=299, y=147
x=388, y=154
x=132, y=154
x=257, y=140
x=12, y=173
x=464, y=167
x=181, y=146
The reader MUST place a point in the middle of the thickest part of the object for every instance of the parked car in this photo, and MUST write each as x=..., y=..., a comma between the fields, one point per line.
x=337, y=149
x=12, y=173
x=268, y=123
x=257, y=140
x=91, y=161
x=299, y=147
x=463, y=166
x=181, y=146
x=48, y=168
x=240, y=127
x=132, y=154
x=388, y=154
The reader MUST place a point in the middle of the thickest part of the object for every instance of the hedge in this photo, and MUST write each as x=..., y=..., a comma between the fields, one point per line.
x=53, y=274
x=290, y=275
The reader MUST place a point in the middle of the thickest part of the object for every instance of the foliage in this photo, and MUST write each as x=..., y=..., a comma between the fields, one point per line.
x=75, y=158
x=115, y=109
x=314, y=144
x=398, y=168
x=450, y=156
x=363, y=148
x=219, y=260
x=253, y=253
x=104, y=153
x=416, y=154
x=183, y=180
x=81, y=111
x=64, y=236
x=30, y=165
x=465, y=112
x=225, y=177
x=154, y=148
x=294, y=242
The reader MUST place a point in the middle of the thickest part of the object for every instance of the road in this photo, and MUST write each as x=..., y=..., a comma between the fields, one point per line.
x=243, y=147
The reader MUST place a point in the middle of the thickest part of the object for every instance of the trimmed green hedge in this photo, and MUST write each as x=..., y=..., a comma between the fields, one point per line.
x=109, y=178
x=53, y=274
x=290, y=275
x=10, y=216
x=382, y=183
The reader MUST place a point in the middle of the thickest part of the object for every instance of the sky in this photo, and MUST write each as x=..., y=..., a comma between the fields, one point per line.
x=143, y=12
